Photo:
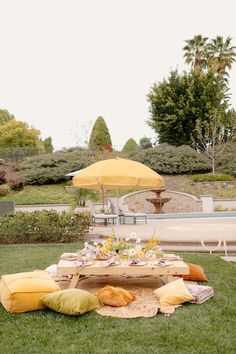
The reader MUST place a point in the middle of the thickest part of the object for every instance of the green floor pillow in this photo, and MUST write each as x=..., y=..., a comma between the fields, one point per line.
x=71, y=301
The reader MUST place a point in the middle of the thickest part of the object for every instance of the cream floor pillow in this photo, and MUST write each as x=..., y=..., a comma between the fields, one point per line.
x=21, y=292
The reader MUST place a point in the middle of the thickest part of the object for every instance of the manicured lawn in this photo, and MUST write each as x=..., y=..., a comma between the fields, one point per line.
x=207, y=328
x=46, y=194
x=50, y=194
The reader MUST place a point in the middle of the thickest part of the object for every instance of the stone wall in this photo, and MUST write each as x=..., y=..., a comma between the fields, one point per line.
x=179, y=203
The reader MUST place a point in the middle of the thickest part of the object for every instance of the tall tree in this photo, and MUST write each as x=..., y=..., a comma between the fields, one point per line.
x=100, y=137
x=178, y=102
x=17, y=134
x=5, y=116
x=48, y=144
x=195, y=52
x=221, y=55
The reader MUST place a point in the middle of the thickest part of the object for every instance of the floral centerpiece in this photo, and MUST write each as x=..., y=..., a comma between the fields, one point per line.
x=130, y=248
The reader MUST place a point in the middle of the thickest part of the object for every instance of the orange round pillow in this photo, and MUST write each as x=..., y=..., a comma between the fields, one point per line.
x=196, y=273
x=115, y=296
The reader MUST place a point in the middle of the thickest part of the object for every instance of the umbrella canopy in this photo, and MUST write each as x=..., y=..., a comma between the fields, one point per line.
x=72, y=174
x=118, y=174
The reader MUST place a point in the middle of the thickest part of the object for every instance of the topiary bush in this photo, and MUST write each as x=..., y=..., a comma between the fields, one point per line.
x=100, y=138
x=43, y=226
x=130, y=147
x=169, y=159
x=4, y=190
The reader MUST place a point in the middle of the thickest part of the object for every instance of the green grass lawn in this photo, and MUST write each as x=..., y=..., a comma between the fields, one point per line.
x=46, y=194
x=50, y=194
x=207, y=328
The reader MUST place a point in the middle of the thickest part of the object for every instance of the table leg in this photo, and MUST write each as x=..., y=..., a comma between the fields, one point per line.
x=74, y=281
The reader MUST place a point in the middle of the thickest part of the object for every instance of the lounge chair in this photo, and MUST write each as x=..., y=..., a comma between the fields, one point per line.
x=105, y=217
x=123, y=211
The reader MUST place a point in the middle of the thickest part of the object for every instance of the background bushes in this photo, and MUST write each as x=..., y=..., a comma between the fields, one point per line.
x=52, y=168
x=212, y=178
x=169, y=159
x=227, y=161
x=43, y=226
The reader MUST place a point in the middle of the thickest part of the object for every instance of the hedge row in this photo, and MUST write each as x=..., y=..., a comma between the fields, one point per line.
x=43, y=226
x=52, y=168
x=169, y=159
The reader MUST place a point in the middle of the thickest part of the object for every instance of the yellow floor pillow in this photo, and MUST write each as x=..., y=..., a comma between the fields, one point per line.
x=21, y=292
x=115, y=296
x=173, y=293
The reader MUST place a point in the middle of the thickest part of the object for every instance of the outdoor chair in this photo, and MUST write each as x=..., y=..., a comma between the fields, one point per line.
x=124, y=214
x=106, y=218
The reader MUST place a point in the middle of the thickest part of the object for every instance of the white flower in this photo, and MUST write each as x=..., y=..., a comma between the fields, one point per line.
x=127, y=239
x=86, y=244
x=138, y=248
x=133, y=235
x=138, y=240
x=95, y=243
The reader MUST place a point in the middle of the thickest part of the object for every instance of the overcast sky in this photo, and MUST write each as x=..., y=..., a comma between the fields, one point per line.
x=65, y=62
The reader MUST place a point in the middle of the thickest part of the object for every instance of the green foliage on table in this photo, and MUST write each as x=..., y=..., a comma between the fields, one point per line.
x=43, y=226
x=100, y=136
x=169, y=159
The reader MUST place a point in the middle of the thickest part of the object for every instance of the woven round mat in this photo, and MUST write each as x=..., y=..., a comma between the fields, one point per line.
x=145, y=304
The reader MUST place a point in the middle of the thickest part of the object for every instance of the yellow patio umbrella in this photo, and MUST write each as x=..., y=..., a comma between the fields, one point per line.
x=118, y=174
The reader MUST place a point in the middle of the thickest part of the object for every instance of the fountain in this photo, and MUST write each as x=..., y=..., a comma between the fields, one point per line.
x=158, y=201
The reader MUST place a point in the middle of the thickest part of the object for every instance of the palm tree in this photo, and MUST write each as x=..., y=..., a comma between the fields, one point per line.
x=195, y=52
x=221, y=55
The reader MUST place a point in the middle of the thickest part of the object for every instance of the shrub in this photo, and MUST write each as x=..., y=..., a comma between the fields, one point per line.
x=212, y=178
x=2, y=176
x=130, y=147
x=100, y=136
x=221, y=208
x=169, y=159
x=52, y=168
x=43, y=226
x=16, y=183
x=4, y=190
x=226, y=163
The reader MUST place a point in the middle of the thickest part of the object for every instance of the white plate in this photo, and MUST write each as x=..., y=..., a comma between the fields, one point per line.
x=111, y=265
x=163, y=265
x=138, y=264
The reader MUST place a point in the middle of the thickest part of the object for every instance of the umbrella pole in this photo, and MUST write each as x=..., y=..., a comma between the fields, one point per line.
x=103, y=200
x=118, y=216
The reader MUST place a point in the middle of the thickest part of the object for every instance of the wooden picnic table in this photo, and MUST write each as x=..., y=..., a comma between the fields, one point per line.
x=66, y=267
